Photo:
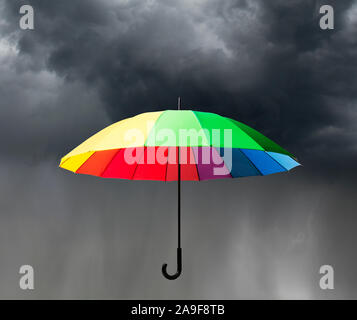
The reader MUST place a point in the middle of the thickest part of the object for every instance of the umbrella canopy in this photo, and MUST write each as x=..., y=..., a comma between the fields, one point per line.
x=153, y=141
x=178, y=145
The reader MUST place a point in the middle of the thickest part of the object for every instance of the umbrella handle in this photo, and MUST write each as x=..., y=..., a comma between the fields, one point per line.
x=179, y=267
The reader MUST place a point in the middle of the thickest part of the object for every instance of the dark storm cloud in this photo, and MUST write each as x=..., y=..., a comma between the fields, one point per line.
x=40, y=115
x=267, y=64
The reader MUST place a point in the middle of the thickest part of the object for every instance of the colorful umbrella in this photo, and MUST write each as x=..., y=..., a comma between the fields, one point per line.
x=150, y=146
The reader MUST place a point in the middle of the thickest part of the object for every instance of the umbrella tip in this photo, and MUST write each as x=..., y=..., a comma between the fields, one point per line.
x=179, y=103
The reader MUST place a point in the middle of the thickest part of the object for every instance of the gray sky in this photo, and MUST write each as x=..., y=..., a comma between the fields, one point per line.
x=90, y=63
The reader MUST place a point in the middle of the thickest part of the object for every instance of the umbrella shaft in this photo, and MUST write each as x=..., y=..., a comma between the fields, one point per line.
x=179, y=200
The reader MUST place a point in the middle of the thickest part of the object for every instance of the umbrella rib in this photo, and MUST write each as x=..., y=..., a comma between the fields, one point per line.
x=167, y=163
x=199, y=122
x=85, y=160
x=224, y=164
x=152, y=128
x=110, y=161
x=137, y=164
x=144, y=146
x=245, y=133
x=261, y=173
x=196, y=162
x=62, y=163
x=280, y=165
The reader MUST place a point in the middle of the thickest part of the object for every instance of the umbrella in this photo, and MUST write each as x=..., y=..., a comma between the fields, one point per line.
x=176, y=145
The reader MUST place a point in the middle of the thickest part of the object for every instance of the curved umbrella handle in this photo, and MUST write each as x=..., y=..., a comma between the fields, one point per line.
x=179, y=267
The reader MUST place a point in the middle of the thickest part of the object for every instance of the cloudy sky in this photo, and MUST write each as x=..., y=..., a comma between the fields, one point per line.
x=265, y=63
